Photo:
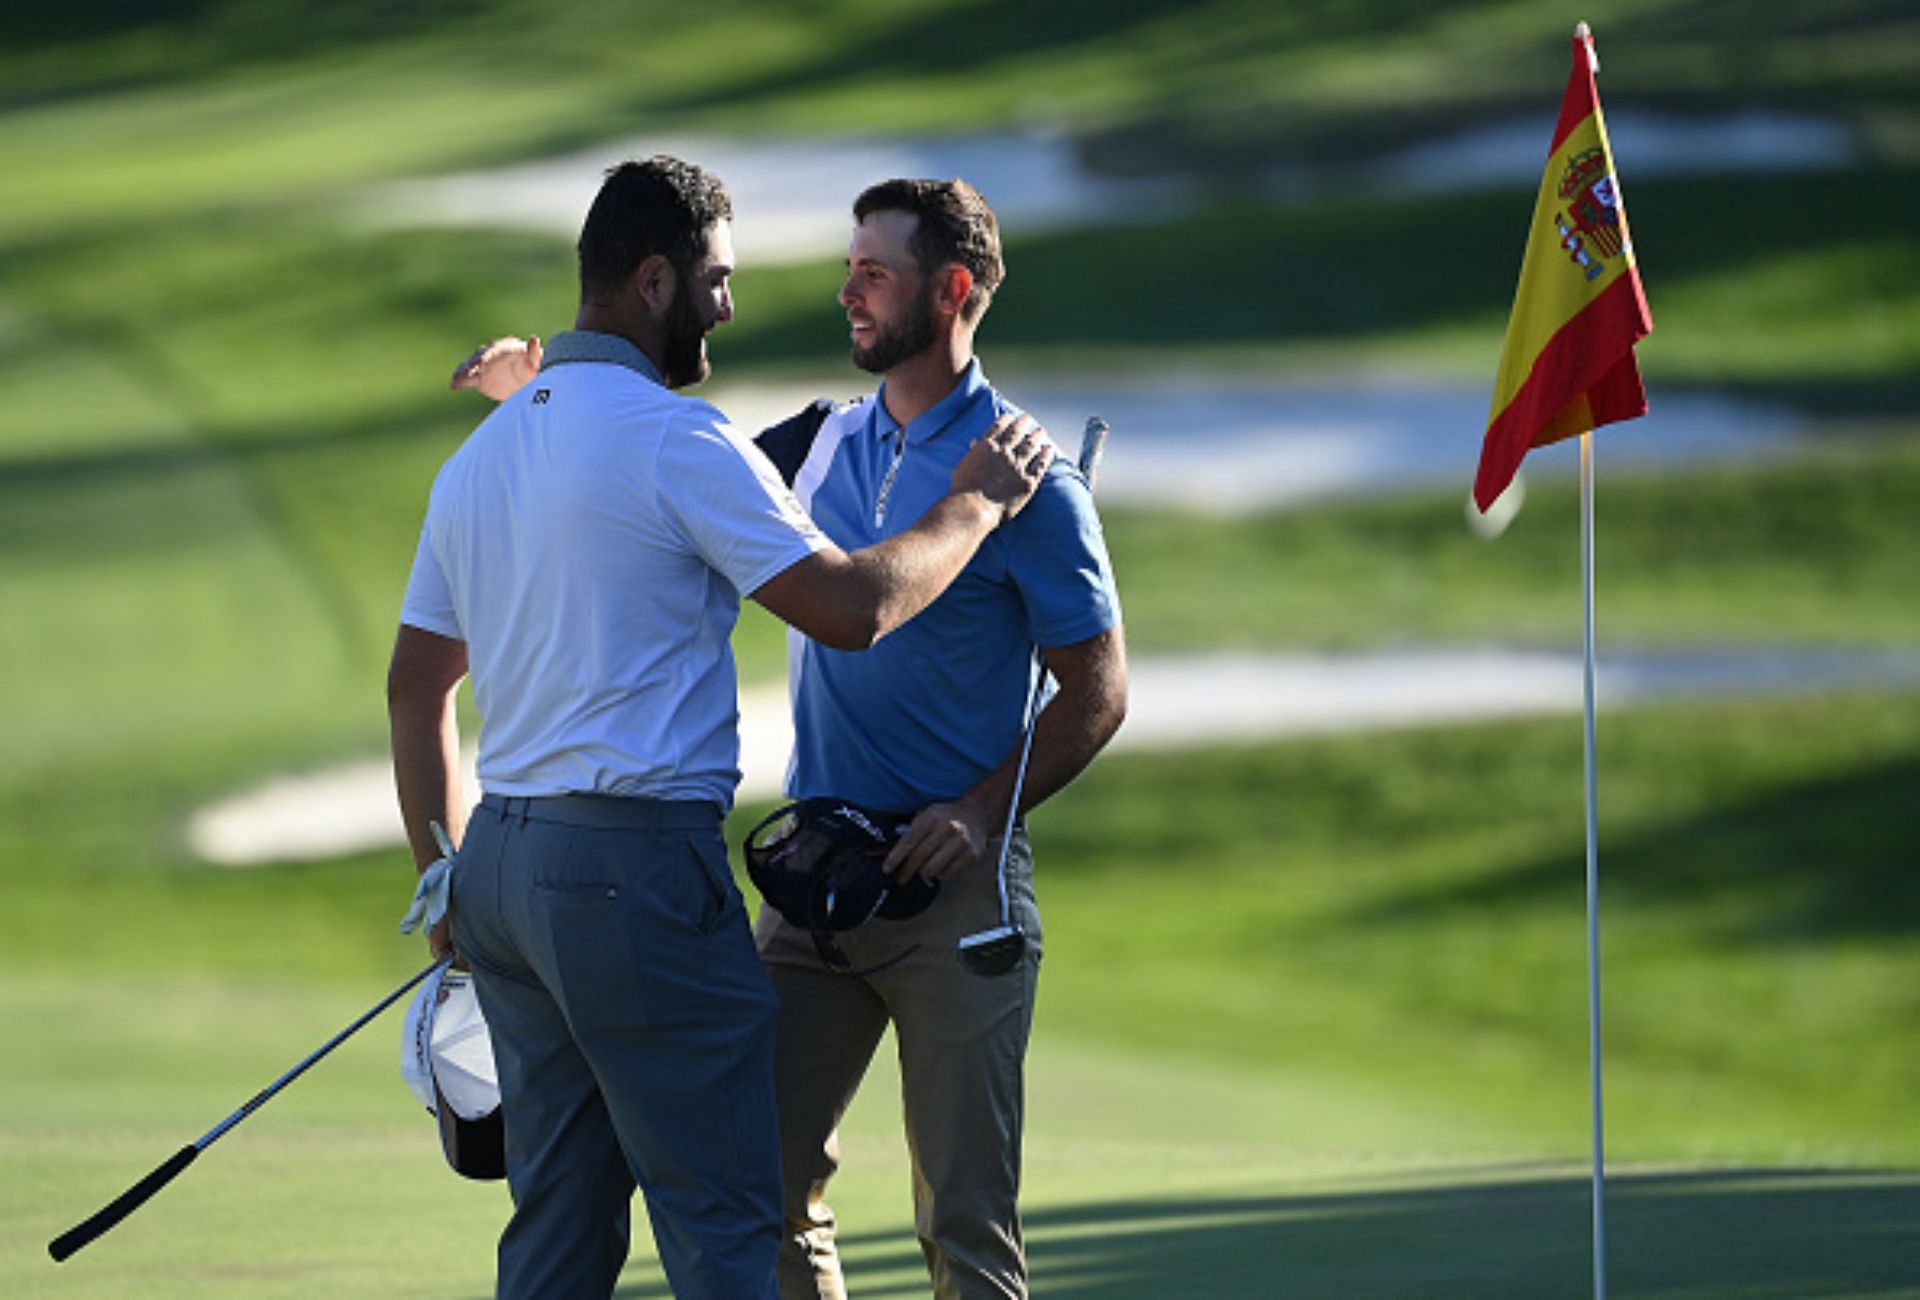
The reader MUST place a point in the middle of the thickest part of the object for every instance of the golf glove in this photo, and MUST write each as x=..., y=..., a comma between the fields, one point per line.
x=430, y=894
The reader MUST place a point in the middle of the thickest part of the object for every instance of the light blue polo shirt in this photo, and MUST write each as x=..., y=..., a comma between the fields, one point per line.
x=939, y=702
x=590, y=542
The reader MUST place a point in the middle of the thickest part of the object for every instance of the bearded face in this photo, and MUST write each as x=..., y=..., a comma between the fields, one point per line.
x=896, y=340
x=684, y=361
x=702, y=301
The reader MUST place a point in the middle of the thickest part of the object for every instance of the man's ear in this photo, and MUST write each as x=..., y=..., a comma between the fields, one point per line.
x=956, y=282
x=655, y=283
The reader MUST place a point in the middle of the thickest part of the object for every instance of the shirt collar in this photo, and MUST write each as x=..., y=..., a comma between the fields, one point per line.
x=575, y=346
x=943, y=414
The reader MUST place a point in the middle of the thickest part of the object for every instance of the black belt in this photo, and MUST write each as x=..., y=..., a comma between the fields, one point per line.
x=608, y=811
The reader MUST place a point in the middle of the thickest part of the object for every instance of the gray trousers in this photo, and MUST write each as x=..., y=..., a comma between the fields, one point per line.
x=633, y=1027
x=963, y=1044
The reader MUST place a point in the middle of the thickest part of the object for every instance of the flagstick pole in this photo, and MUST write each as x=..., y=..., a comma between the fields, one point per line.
x=1593, y=877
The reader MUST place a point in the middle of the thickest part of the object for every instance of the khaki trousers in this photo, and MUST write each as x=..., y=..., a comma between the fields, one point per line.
x=962, y=1040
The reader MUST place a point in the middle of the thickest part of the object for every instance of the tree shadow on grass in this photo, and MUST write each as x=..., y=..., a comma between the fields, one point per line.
x=1319, y=268
x=975, y=39
x=1811, y=859
x=1503, y=1233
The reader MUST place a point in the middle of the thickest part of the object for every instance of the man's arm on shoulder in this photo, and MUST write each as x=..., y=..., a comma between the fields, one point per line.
x=1076, y=725
x=849, y=600
x=425, y=672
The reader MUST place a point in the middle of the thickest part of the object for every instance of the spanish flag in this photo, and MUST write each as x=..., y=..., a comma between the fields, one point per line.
x=1568, y=364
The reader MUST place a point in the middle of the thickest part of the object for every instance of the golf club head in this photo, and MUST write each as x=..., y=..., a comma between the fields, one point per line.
x=993, y=952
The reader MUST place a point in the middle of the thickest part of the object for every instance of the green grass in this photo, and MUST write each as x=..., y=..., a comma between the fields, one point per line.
x=1314, y=1019
x=1312, y=1013
x=291, y=96
x=224, y=432
x=1807, y=551
x=1385, y=900
x=191, y=227
x=204, y=619
x=1819, y=306
x=252, y=327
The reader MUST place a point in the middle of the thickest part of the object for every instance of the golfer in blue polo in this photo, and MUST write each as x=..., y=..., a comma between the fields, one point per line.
x=927, y=728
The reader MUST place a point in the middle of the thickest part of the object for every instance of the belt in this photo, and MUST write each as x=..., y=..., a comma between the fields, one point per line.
x=608, y=811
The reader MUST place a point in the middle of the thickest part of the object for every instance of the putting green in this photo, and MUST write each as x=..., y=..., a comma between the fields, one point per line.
x=1145, y=1176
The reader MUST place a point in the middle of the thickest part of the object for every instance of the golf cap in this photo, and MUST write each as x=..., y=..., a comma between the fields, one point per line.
x=446, y=1059
x=820, y=864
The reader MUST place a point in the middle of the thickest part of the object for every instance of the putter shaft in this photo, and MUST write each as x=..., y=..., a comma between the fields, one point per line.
x=995, y=951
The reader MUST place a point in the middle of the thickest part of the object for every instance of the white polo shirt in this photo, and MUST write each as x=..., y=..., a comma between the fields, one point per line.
x=590, y=542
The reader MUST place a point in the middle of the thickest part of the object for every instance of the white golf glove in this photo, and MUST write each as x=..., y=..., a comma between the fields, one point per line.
x=430, y=894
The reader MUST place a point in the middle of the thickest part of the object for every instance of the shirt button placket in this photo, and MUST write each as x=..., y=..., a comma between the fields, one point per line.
x=886, y=484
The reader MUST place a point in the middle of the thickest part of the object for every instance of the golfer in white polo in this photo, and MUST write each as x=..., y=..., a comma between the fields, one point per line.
x=583, y=556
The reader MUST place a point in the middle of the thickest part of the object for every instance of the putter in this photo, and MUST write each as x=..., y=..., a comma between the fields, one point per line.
x=134, y=1197
x=998, y=950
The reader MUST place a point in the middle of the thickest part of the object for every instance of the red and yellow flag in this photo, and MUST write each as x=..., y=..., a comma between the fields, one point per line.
x=1568, y=364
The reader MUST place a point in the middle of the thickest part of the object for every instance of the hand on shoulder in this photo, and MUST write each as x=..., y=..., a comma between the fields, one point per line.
x=501, y=368
x=1006, y=464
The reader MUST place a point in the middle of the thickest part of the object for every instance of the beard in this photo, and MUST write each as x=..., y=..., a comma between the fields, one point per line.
x=683, y=360
x=893, y=344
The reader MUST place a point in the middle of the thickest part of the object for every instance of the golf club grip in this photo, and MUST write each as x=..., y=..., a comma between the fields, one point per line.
x=1093, y=445
x=126, y=1203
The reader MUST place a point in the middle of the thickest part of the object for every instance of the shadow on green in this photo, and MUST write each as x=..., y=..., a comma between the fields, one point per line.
x=1766, y=868
x=1692, y=1234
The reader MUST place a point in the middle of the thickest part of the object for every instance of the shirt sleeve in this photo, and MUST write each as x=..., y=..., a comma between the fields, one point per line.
x=429, y=601
x=1057, y=557
x=728, y=500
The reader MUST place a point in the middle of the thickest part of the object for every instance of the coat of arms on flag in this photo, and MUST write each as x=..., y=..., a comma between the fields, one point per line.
x=1593, y=207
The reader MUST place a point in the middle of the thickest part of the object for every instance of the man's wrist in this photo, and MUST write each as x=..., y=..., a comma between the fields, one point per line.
x=984, y=810
x=980, y=508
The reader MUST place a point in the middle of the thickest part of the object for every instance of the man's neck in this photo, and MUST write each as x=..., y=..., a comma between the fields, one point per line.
x=921, y=382
x=601, y=318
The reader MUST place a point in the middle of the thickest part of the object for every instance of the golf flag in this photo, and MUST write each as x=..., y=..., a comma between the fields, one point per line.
x=1568, y=364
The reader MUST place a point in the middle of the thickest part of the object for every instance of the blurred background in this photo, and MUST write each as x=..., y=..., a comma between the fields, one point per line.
x=1314, y=1016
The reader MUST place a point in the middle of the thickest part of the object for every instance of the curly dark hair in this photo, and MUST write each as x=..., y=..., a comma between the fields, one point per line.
x=662, y=205
x=956, y=225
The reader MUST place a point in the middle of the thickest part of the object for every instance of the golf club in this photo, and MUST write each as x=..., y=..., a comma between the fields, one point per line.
x=998, y=950
x=134, y=1197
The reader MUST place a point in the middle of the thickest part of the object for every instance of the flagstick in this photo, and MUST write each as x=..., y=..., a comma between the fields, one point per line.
x=1593, y=879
